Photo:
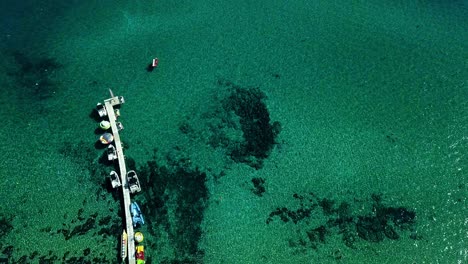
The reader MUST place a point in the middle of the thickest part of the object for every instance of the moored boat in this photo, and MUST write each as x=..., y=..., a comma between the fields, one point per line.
x=133, y=182
x=101, y=109
x=115, y=179
x=137, y=216
x=111, y=152
x=124, y=248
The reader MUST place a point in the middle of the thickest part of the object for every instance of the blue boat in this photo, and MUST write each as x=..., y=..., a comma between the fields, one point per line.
x=137, y=216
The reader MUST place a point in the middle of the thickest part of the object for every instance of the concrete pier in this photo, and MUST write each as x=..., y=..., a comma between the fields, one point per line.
x=109, y=106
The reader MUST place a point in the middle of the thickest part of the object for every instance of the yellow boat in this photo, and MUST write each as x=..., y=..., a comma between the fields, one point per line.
x=124, y=245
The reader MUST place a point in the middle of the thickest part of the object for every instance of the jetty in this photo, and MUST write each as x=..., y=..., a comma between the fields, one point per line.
x=112, y=113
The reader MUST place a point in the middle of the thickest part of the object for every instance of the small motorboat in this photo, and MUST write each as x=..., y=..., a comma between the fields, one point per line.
x=115, y=179
x=133, y=182
x=124, y=247
x=153, y=65
x=101, y=109
x=137, y=216
x=111, y=152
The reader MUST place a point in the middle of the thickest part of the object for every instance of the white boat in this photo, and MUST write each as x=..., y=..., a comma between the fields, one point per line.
x=133, y=182
x=101, y=110
x=111, y=153
x=115, y=179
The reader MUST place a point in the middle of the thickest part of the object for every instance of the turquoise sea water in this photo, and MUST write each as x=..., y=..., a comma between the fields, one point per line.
x=369, y=166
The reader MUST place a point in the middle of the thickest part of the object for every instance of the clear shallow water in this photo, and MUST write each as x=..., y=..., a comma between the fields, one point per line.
x=370, y=97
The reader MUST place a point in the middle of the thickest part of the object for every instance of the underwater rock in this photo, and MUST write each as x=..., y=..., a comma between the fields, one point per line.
x=327, y=206
x=259, y=187
x=259, y=135
x=317, y=235
x=375, y=228
x=401, y=217
x=371, y=228
x=383, y=222
x=8, y=251
x=287, y=215
x=79, y=229
x=5, y=225
x=33, y=76
x=180, y=189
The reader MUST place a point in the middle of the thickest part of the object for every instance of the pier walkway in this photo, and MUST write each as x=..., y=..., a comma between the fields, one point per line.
x=109, y=106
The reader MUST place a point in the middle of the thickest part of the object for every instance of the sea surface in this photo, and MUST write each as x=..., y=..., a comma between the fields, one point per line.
x=270, y=132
